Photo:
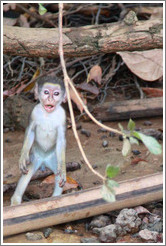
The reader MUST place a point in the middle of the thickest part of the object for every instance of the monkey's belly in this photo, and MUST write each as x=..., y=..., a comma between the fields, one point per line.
x=46, y=139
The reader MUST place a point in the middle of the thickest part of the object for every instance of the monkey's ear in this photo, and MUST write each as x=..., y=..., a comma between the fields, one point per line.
x=36, y=94
x=64, y=98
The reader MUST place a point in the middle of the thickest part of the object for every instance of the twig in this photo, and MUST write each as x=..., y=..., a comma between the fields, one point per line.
x=67, y=81
x=80, y=100
x=36, y=16
x=138, y=87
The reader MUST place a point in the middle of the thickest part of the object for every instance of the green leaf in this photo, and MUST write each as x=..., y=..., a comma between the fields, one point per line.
x=121, y=127
x=133, y=141
x=131, y=125
x=107, y=194
x=111, y=171
x=112, y=183
x=126, y=150
x=136, y=134
x=151, y=143
x=42, y=9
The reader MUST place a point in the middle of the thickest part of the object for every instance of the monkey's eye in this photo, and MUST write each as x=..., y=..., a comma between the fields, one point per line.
x=56, y=93
x=46, y=92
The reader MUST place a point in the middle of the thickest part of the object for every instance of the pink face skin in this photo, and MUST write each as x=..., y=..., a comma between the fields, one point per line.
x=50, y=96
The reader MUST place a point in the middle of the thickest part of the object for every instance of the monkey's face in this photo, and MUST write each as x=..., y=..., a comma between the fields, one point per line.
x=50, y=96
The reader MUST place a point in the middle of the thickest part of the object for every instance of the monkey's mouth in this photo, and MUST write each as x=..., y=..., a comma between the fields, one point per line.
x=49, y=107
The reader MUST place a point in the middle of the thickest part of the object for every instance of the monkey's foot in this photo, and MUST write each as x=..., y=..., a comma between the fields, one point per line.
x=15, y=200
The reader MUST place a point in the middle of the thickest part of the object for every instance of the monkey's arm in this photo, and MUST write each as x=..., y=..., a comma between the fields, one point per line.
x=60, y=153
x=28, y=141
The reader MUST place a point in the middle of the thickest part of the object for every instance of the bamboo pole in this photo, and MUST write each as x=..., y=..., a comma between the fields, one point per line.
x=57, y=210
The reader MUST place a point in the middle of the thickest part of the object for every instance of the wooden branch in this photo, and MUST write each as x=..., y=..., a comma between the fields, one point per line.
x=122, y=110
x=57, y=210
x=82, y=41
x=66, y=82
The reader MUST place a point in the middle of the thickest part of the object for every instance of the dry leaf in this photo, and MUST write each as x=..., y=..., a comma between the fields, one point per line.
x=95, y=74
x=141, y=210
x=136, y=160
x=76, y=101
x=148, y=64
x=49, y=180
x=31, y=85
x=153, y=92
x=87, y=87
x=70, y=183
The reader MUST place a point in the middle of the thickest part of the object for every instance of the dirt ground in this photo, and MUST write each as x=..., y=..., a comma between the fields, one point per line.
x=98, y=155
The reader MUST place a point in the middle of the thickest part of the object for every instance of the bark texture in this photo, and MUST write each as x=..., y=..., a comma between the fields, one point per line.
x=83, y=41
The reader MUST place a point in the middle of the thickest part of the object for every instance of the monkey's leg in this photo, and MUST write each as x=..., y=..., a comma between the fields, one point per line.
x=22, y=184
x=51, y=163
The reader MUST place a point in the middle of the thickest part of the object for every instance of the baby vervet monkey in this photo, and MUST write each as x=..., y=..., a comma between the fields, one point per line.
x=45, y=141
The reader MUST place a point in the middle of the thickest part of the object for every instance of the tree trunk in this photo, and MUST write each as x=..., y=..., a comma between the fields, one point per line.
x=83, y=41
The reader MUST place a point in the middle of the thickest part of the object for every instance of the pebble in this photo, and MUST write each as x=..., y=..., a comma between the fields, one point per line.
x=47, y=232
x=105, y=143
x=109, y=233
x=102, y=130
x=86, y=133
x=128, y=220
x=148, y=235
x=104, y=136
x=79, y=127
x=12, y=129
x=147, y=123
x=100, y=221
x=136, y=152
x=33, y=236
x=6, y=129
x=95, y=166
x=89, y=240
x=96, y=182
x=120, y=138
x=112, y=134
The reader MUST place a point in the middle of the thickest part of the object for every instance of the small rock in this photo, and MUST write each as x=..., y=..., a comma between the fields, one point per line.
x=33, y=236
x=120, y=138
x=95, y=166
x=100, y=221
x=72, y=166
x=104, y=136
x=70, y=231
x=47, y=232
x=12, y=129
x=136, y=152
x=109, y=233
x=150, y=236
x=105, y=143
x=97, y=182
x=85, y=132
x=147, y=123
x=79, y=127
x=128, y=220
x=6, y=129
x=156, y=226
x=89, y=240
x=112, y=134
x=102, y=130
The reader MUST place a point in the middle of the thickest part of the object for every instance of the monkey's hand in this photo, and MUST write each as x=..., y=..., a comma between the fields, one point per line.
x=23, y=162
x=62, y=179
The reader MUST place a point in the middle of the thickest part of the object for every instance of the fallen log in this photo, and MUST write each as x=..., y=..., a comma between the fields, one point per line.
x=57, y=210
x=83, y=41
x=122, y=110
